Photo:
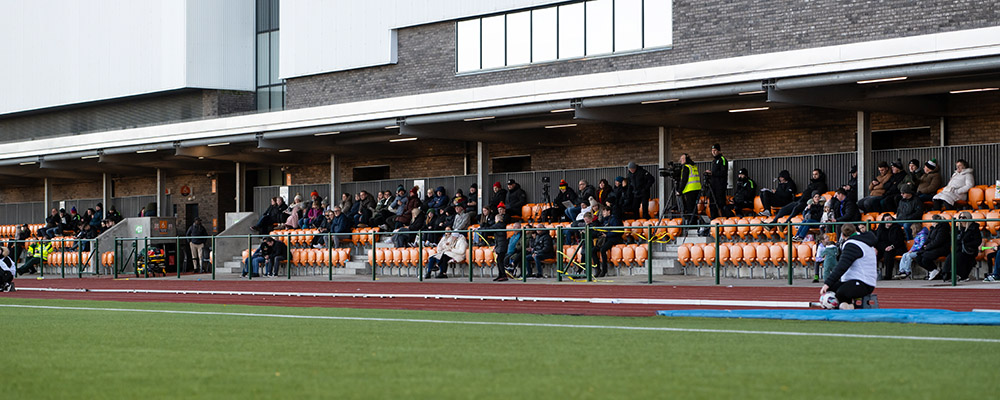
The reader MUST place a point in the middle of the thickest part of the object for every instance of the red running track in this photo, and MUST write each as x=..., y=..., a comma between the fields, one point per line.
x=957, y=299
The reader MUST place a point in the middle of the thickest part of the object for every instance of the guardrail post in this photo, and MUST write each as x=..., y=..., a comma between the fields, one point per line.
x=788, y=254
x=420, y=256
x=62, y=250
x=649, y=256
x=524, y=261
x=716, y=263
x=954, y=277
x=374, y=260
x=329, y=263
x=79, y=261
x=471, y=252
x=214, y=256
x=118, y=259
x=560, y=268
x=586, y=257
x=288, y=256
x=177, y=256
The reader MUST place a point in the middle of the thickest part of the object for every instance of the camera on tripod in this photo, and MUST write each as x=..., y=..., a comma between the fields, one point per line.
x=545, y=189
x=673, y=170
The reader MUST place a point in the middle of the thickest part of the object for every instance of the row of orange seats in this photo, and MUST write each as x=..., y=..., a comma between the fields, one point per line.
x=68, y=259
x=982, y=197
x=294, y=237
x=313, y=257
x=533, y=211
x=10, y=231
x=695, y=254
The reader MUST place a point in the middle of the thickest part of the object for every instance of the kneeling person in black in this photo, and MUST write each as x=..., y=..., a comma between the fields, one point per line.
x=857, y=269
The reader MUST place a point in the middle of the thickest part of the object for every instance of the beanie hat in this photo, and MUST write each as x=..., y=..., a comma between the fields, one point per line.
x=915, y=162
x=897, y=164
x=716, y=147
x=400, y=188
x=314, y=194
x=631, y=164
x=854, y=168
x=619, y=179
x=932, y=164
x=908, y=189
x=743, y=171
x=511, y=182
x=496, y=184
x=785, y=174
x=501, y=205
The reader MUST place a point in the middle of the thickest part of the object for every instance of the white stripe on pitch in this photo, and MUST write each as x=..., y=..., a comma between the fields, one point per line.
x=594, y=300
x=527, y=324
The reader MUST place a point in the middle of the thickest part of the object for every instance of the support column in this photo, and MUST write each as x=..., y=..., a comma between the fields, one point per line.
x=161, y=196
x=941, y=133
x=334, y=179
x=241, y=184
x=106, y=193
x=864, y=141
x=664, y=157
x=47, y=196
x=483, y=174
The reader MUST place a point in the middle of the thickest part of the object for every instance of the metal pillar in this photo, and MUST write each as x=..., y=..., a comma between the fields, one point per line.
x=662, y=160
x=161, y=197
x=865, y=164
x=483, y=174
x=47, y=196
x=106, y=194
x=241, y=183
x=941, y=133
x=334, y=179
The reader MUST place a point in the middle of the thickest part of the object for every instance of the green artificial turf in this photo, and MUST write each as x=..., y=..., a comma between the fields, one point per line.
x=105, y=354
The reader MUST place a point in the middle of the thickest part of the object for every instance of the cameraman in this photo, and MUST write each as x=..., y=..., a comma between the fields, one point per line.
x=718, y=179
x=690, y=188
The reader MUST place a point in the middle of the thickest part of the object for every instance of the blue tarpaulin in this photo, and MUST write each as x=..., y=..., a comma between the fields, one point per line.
x=906, y=316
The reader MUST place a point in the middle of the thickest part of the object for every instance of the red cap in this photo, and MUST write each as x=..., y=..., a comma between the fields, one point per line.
x=501, y=205
x=496, y=184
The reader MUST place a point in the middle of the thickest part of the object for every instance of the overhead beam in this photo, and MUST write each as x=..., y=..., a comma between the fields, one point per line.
x=853, y=98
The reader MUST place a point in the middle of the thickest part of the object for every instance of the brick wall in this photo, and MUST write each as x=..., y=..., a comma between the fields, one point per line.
x=978, y=119
x=703, y=30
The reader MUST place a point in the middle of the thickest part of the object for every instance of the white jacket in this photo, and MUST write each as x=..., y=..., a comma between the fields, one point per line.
x=455, y=247
x=7, y=264
x=958, y=187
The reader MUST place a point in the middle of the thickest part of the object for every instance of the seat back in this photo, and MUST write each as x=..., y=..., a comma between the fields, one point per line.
x=976, y=197
x=697, y=254
x=777, y=254
x=641, y=255
x=709, y=253
x=684, y=255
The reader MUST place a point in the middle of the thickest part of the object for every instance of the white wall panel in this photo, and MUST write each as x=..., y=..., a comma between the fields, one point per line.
x=319, y=36
x=62, y=52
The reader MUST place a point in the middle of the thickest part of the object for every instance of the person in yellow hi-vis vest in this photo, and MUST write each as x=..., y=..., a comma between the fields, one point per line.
x=37, y=253
x=689, y=189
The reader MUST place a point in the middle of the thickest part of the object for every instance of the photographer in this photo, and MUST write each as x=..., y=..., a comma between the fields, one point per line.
x=555, y=213
x=689, y=188
x=718, y=180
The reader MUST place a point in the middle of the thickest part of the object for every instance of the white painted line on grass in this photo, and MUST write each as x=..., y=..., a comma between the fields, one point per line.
x=525, y=324
x=985, y=310
x=593, y=300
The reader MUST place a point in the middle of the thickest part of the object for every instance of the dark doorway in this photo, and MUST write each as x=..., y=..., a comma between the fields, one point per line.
x=511, y=164
x=190, y=213
x=370, y=173
x=901, y=138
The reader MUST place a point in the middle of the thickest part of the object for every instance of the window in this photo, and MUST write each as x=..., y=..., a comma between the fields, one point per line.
x=270, y=88
x=512, y=164
x=568, y=31
x=370, y=173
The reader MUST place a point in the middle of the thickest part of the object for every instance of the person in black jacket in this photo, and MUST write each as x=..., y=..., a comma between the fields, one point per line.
x=274, y=255
x=622, y=194
x=641, y=182
x=891, y=242
x=197, y=233
x=744, y=193
x=909, y=208
x=612, y=235
x=936, y=246
x=968, y=239
x=271, y=216
x=556, y=212
x=540, y=249
x=852, y=182
x=718, y=179
x=516, y=198
x=845, y=209
x=689, y=189
x=892, y=188
x=857, y=271
x=498, y=196
x=781, y=196
x=817, y=183
x=500, y=221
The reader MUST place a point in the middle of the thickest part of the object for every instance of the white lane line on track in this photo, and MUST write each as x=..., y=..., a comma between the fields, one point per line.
x=524, y=324
x=593, y=300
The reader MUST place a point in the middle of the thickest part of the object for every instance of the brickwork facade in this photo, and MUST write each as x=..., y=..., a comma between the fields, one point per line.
x=703, y=30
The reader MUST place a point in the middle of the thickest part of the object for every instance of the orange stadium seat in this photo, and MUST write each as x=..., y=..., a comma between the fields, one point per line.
x=641, y=255
x=976, y=197
x=684, y=255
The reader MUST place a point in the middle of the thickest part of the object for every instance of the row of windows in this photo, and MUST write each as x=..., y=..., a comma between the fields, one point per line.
x=267, y=15
x=575, y=30
x=270, y=88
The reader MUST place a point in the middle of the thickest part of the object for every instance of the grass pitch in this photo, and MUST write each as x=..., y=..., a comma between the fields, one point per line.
x=72, y=353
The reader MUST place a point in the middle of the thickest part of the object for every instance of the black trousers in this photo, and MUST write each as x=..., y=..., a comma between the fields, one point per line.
x=889, y=261
x=768, y=200
x=691, y=207
x=926, y=259
x=852, y=289
x=642, y=206
x=6, y=277
x=29, y=265
x=718, y=200
x=963, y=265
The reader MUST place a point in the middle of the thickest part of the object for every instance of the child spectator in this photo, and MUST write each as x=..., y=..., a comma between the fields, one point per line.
x=919, y=236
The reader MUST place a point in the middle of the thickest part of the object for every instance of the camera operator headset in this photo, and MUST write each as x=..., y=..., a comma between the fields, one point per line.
x=689, y=188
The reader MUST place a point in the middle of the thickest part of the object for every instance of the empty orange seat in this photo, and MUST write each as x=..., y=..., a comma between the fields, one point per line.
x=641, y=255
x=697, y=254
x=777, y=254
x=735, y=254
x=763, y=253
x=684, y=255
x=627, y=254
x=749, y=254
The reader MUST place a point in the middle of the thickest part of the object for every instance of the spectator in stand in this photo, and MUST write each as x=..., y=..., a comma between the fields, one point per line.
x=428, y=198
x=406, y=235
x=253, y=263
x=276, y=254
x=892, y=194
x=75, y=219
x=197, y=234
x=462, y=219
x=37, y=253
x=20, y=238
x=150, y=210
x=641, y=182
x=339, y=224
x=845, y=209
x=381, y=213
x=83, y=238
x=499, y=195
x=688, y=189
x=852, y=182
x=540, y=249
x=556, y=212
x=968, y=238
x=890, y=242
x=817, y=183
x=516, y=198
x=992, y=259
x=608, y=237
x=458, y=198
x=440, y=199
x=413, y=201
x=936, y=246
x=744, y=193
x=313, y=217
x=826, y=254
x=500, y=221
x=781, y=196
x=366, y=208
x=7, y=271
x=51, y=228
x=314, y=198
x=97, y=218
x=623, y=196
x=909, y=209
x=718, y=179
x=271, y=216
x=857, y=268
x=397, y=206
x=452, y=246
x=294, y=214
x=472, y=200
x=515, y=249
x=929, y=182
x=812, y=213
x=957, y=188
x=346, y=202
x=876, y=189
x=114, y=215
x=587, y=192
x=604, y=191
x=919, y=233
x=142, y=212
x=913, y=174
